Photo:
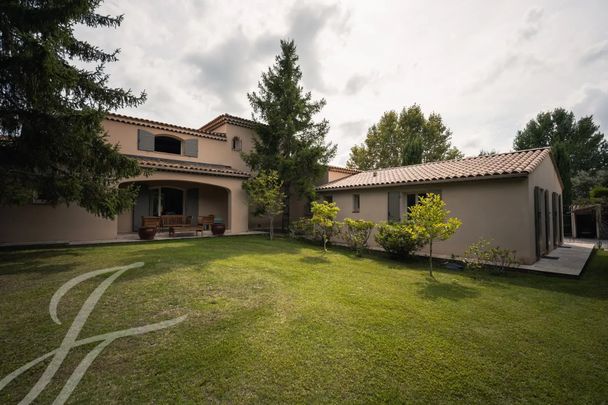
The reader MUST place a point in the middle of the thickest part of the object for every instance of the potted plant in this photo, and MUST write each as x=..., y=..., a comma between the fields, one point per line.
x=147, y=232
x=218, y=227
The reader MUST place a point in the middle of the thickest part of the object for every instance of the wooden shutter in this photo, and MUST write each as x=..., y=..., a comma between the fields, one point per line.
x=537, y=216
x=192, y=204
x=191, y=147
x=394, y=212
x=145, y=140
x=142, y=206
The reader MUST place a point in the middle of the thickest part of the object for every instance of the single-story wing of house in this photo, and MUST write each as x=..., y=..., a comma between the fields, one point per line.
x=512, y=199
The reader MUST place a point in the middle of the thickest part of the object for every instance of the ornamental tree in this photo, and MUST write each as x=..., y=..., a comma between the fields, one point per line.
x=324, y=219
x=429, y=221
x=265, y=196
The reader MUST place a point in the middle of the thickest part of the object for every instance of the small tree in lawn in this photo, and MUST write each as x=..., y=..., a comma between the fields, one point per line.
x=429, y=221
x=265, y=195
x=324, y=219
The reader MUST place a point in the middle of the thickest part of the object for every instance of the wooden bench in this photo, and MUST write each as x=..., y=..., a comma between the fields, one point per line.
x=179, y=223
x=185, y=228
x=150, y=222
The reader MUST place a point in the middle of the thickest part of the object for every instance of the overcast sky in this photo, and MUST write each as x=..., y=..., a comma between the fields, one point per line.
x=486, y=67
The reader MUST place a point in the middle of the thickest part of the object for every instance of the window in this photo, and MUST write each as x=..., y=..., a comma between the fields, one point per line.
x=356, y=202
x=412, y=199
x=167, y=144
x=328, y=198
x=237, y=144
x=167, y=201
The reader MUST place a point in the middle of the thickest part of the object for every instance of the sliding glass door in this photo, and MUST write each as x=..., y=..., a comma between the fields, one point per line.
x=166, y=201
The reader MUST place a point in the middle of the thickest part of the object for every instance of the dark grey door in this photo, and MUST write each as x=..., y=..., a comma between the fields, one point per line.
x=394, y=203
x=142, y=206
x=192, y=204
x=537, y=220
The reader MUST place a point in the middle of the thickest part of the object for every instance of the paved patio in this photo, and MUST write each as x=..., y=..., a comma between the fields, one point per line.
x=130, y=238
x=567, y=260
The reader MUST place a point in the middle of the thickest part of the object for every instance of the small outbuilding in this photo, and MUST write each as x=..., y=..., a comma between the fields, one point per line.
x=589, y=221
x=512, y=199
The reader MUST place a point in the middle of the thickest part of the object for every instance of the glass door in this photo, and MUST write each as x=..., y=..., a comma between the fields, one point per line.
x=166, y=201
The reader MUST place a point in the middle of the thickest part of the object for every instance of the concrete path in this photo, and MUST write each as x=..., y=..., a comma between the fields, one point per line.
x=567, y=260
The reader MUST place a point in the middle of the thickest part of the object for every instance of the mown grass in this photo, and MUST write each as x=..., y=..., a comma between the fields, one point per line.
x=282, y=322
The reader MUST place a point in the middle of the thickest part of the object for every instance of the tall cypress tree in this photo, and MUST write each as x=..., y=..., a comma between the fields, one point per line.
x=53, y=145
x=289, y=140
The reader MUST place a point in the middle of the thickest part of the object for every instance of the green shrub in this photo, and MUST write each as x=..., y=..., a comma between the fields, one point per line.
x=482, y=255
x=355, y=233
x=397, y=239
x=301, y=228
x=599, y=193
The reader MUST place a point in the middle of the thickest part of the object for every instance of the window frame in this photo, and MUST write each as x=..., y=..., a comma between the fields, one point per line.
x=237, y=144
x=356, y=203
x=417, y=194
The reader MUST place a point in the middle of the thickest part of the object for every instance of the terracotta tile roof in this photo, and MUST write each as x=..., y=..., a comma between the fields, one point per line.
x=520, y=163
x=166, y=127
x=230, y=119
x=188, y=167
x=340, y=169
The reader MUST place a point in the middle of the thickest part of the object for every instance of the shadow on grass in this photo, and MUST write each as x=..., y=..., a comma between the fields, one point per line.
x=312, y=260
x=164, y=256
x=434, y=289
x=37, y=261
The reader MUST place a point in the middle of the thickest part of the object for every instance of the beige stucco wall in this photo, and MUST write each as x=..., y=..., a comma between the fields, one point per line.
x=44, y=223
x=233, y=158
x=125, y=221
x=497, y=209
x=212, y=151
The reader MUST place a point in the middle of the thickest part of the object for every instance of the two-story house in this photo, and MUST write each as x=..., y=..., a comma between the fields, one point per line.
x=197, y=172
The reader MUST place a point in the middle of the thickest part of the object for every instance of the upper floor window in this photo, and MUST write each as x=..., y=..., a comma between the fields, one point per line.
x=150, y=142
x=167, y=144
x=237, y=144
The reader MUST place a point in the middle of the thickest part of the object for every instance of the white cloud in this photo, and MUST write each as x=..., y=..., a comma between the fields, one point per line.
x=486, y=67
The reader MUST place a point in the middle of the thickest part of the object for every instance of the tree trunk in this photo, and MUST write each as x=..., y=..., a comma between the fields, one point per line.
x=285, y=218
x=271, y=230
x=431, y=258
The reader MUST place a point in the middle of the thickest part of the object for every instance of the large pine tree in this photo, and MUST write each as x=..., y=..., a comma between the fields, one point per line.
x=54, y=99
x=289, y=140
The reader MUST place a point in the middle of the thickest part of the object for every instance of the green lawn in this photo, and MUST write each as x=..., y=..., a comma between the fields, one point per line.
x=282, y=322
